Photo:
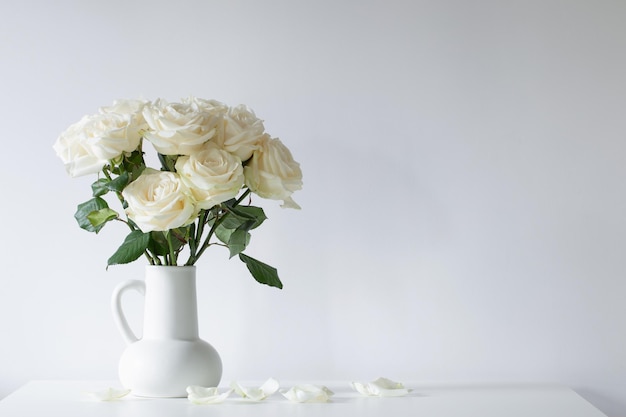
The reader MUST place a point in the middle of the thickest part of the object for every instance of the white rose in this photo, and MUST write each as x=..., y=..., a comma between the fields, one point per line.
x=178, y=128
x=74, y=149
x=272, y=172
x=120, y=127
x=87, y=146
x=212, y=175
x=240, y=132
x=158, y=200
x=112, y=134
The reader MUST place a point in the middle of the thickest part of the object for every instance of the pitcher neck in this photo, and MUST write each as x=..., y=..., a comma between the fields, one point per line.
x=170, y=310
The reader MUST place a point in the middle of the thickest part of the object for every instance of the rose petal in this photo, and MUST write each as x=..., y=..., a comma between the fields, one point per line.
x=361, y=388
x=254, y=394
x=382, y=387
x=108, y=394
x=204, y=395
x=308, y=394
x=385, y=383
x=268, y=388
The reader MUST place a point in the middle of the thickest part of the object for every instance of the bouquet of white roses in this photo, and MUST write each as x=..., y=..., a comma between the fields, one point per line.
x=212, y=158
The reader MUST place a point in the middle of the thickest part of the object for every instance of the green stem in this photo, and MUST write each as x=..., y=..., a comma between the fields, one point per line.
x=172, y=255
x=193, y=258
x=240, y=199
x=204, y=216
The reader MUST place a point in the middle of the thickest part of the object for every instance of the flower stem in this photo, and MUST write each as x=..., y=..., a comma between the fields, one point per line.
x=203, y=218
x=240, y=199
x=194, y=257
x=172, y=255
x=218, y=220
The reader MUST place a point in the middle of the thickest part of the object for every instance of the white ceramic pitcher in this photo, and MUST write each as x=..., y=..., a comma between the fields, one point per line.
x=169, y=356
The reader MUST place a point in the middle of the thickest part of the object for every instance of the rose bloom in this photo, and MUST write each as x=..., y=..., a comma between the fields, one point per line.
x=75, y=151
x=240, y=132
x=178, y=128
x=87, y=146
x=158, y=200
x=212, y=175
x=112, y=134
x=272, y=172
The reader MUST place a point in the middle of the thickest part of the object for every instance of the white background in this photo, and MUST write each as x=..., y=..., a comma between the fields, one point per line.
x=464, y=205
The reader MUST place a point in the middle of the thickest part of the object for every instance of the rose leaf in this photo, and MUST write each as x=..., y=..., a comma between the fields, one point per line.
x=85, y=209
x=263, y=273
x=100, y=217
x=238, y=241
x=131, y=249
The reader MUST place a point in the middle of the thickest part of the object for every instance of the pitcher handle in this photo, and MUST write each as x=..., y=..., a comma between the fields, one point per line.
x=118, y=313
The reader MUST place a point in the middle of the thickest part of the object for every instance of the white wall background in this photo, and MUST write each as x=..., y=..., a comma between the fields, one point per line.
x=464, y=209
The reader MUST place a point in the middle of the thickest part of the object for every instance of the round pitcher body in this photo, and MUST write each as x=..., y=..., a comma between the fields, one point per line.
x=165, y=368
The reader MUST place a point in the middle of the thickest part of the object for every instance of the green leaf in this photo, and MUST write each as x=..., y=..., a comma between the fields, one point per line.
x=238, y=241
x=100, y=187
x=85, y=209
x=245, y=217
x=232, y=221
x=179, y=237
x=223, y=233
x=168, y=162
x=104, y=185
x=251, y=212
x=119, y=183
x=100, y=217
x=133, y=247
x=263, y=273
x=133, y=164
x=158, y=243
x=229, y=203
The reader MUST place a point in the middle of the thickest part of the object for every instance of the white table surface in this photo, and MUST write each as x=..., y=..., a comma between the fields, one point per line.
x=69, y=399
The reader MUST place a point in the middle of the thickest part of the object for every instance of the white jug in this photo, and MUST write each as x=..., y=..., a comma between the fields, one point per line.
x=170, y=356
